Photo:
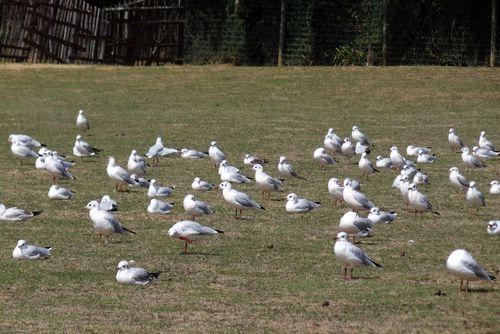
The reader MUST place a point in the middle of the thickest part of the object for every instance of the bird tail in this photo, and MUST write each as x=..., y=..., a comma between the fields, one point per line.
x=376, y=264
x=261, y=207
x=130, y=231
x=436, y=213
x=37, y=212
x=302, y=178
x=492, y=278
x=218, y=231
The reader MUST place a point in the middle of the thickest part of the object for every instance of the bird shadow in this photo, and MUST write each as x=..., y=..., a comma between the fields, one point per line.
x=199, y=253
x=481, y=290
x=245, y=218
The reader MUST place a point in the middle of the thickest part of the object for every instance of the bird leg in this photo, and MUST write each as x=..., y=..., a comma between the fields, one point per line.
x=185, y=247
x=107, y=240
x=351, y=273
x=467, y=287
x=236, y=214
x=345, y=273
x=461, y=283
x=21, y=161
x=100, y=238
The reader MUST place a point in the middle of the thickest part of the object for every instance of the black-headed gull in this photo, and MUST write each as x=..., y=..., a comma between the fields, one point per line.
x=454, y=140
x=351, y=256
x=104, y=222
x=322, y=158
x=286, y=169
x=383, y=162
x=23, y=251
x=421, y=178
x=83, y=149
x=418, y=202
x=140, y=182
x=336, y=191
x=187, y=153
x=108, y=204
x=360, y=137
x=333, y=143
x=238, y=200
x=158, y=150
x=249, y=159
x=295, y=204
x=22, y=151
x=485, y=143
x=469, y=160
x=460, y=263
x=351, y=223
x=366, y=166
x=225, y=166
x=425, y=158
x=82, y=122
x=136, y=163
x=118, y=174
x=265, y=182
x=16, y=214
x=354, y=183
x=57, y=169
x=458, y=180
x=58, y=192
x=475, y=199
x=413, y=150
x=201, y=185
x=494, y=187
x=484, y=153
x=398, y=161
x=355, y=199
x=195, y=208
x=347, y=148
x=216, y=154
x=156, y=190
x=159, y=207
x=232, y=174
x=134, y=275
x=493, y=227
x=25, y=140
x=361, y=148
x=378, y=216
x=190, y=231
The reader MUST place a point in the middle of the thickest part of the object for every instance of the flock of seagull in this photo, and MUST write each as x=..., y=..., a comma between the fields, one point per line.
x=348, y=192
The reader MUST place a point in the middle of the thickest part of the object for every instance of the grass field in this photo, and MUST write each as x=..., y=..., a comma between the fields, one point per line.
x=274, y=271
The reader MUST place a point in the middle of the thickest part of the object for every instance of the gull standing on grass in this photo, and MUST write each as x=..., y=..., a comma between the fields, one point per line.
x=202, y=185
x=159, y=207
x=454, y=140
x=493, y=227
x=321, y=157
x=23, y=251
x=238, y=200
x=336, y=191
x=265, y=182
x=134, y=275
x=366, y=166
x=351, y=223
x=104, y=222
x=351, y=256
x=57, y=192
x=460, y=263
x=195, y=208
x=216, y=154
x=136, y=163
x=22, y=151
x=354, y=183
x=333, y=143
x=398, y=161
x=383, y=162
x=192, y=154
x=458, y=180
x=356, y=200
x=108, y=204
x=294, y=204
x=25, y=140
x=377, y=216
x=475, y=199
x=469, y=160
x=287, y=171
x=118, y=174
x=485, y=143
x=83, y=149
x=348, y=149
x=82, y=122
x=155, y=190
x=360, y=137
x=158, y=150
x=57, y=169
x=16, y=214
x=494, y=187
x=484, y=153
x=361, y=148
x=190, y=231
x=418, y=202
x=404, y=185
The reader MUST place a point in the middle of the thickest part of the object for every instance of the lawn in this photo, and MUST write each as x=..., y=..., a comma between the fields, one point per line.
x=273, y=272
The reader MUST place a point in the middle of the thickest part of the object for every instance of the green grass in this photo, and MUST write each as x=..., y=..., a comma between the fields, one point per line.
x=238, y=282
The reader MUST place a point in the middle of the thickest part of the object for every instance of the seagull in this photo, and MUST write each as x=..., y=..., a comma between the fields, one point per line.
x=354, y=183
x=25, y=140
x=366, y=166
x=425, y=158
x=16, y=214
x=265, y=182
x=57, y=169
x=352, y=223
x=159, y=207
x=409, y=170
x=377, y=216
x=136, y=163
x=82, y=122
x=287, y=171
x=484, y=153
x=190, y=231
x=321, y=157
x=460, y=263
x=134, y=275
x=348, y=149
x=23, y=251
x=333, y=143
x=383, y=162
x=351, y=256
x=361, y=148
x=421, y=178
x=418, y=201
x=202, y=185
x=82, y=148
x=360, y=137
x=22, y=151
x=494, y=227
x=494, y=187
x=158, y=150
x=195, y=208
x=104, y=222
x=216, y=154
x=295, y=204
x=57, y=192
x=155, y=190
x=474, y=197
x=404, y=185
x=336, y=191
x=454, y=140
x=485, y=143
x=225, y=166
x=108, y=204
x=231, y=174
x=238, y=200
x=413, y=150
x=192, y=154
x=40, y=162
x=118, y=174
x=469, y=160
x=397, y=181
x=140, y=181
x=356, y=200
x=458, y=180
x=67, y=164
x=398, y=161
x=249, y=159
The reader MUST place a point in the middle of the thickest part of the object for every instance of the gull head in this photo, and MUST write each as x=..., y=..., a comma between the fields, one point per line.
x=405, y=178
x=111, y=160
x=355, y=128
x=92, y=205
x=196, y=179
x=123, y=265
x=483, y=133
x=282, y=158
x=133, y=152
x=492, y=226
x=347, y=140
x=80, y=111
x=78, y=137
x=21, y=243
x=364, y=155
x=394, y=148
x=54, y=187
x=153, y=181
x=257, y=168
x=223, y=163
x=347, y=182
x=225, y=185
x=472, y=184
x=453, y=170
x=213, y=143
x=291, y=197
x=475, y=148
x=452, y=130
x=412, y=186
x=375, y=210
x=378, y=158
x=189, y=197
x=494, y=183
x=334, y=180
x=184, y=150
x=246, y=155
x=411, y=147
x=341, y=236
x=465, y=149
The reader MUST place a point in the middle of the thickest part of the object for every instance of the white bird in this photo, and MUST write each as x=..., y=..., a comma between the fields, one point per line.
x=294, y=204
x=201, y=185
x=25, y=140
x=155, y=190
x=336, y=191
x=57, y=169
x=225, y=166
x=83, y=149
x=159, y=207
x=354, y=183
x=231, y=174
x=192, y=154
x=425, y=158
x=136, y=163
x=57, y=192
x=493, y=227
x=355, y=199
x=134, y=275
x=418, y=202
x=475, y=199
x=404, y=185
x=409, y=171
x=377, y=216
x=397, y=181
x=484, y=153
x=454, y=140
x=216, y=154
x=460, y=263
x=238, y=200
x=158, y=150
x=485, y=143
x=333, y=143
x=104, y=222
x=361, y=148
x=360, y=137
x=108, y=204
x=23, y=251
x=66, y=163
x=118, y=174
x=140, y=181
x=351, y=256
x=383, y=162
x=458, y=180
x=82, y=122
x=421, y=178
x=40, y=162
x=16, y=214
x=366, y=166
x=286, y=169
x=413, y=150
x=265, y=182
x=469, y=160
x=321, y=157
x=190, y=231
x=347, y=148
x=249, y=159
x=494, y=187
x=195, y=208
x=352, y=223
x=22, y=151
x=398, y=161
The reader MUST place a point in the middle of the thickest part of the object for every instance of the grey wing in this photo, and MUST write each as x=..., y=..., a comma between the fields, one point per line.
x=140, y=274
x=424, y=201
x=290, y=169
x=476, y=269
x=124, y=175
x=243, y=200
x=274, y=182
x=363, y=200
x=304, y=206
x=361, y=256
x=33, y=251
x=363, y=223
x=154, y=150
x=113, y=221
x=463, y=181
x=204, y=207
x=329, y=159
x=476, y=162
